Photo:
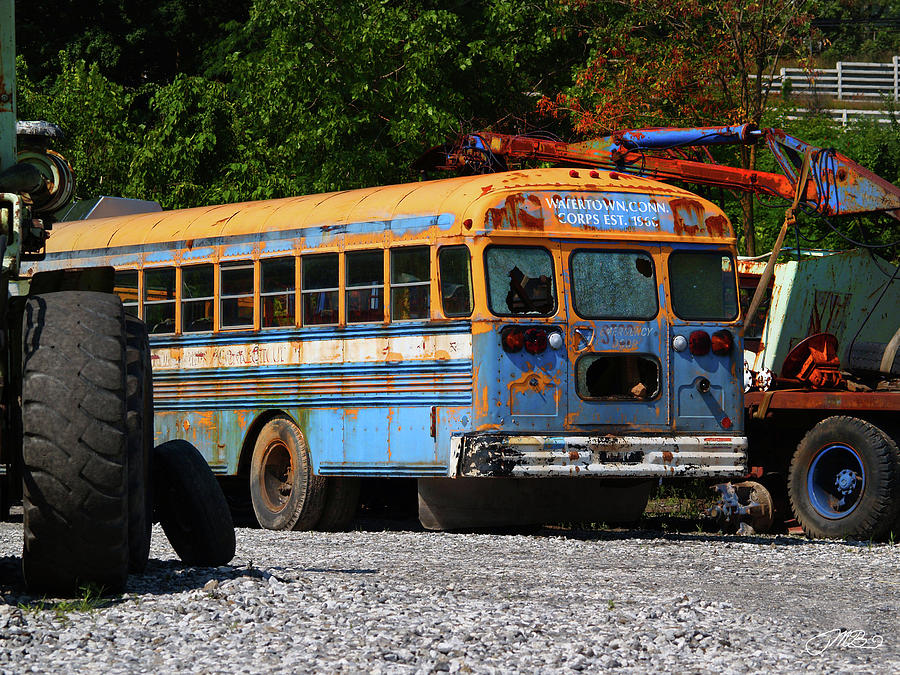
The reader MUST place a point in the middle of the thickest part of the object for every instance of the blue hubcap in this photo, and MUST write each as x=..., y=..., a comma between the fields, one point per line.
x=835, y=481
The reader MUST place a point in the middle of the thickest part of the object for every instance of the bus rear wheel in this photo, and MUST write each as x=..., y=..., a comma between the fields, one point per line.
x=286, y=494
x=845, y=480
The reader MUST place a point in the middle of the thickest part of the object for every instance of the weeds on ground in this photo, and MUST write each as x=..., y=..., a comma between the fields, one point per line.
x=91, y=599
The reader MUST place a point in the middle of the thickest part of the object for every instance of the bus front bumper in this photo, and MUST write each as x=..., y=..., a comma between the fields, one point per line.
x=682, y=455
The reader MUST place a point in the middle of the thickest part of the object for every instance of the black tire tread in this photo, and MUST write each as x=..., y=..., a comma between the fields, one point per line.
x=881, y=512
x=191, y=506
x=139, y=423
x=74, y=442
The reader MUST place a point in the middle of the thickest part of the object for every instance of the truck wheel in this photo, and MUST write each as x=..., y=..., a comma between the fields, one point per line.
x=139, y=420
x=844, y=480
x=191, y=506
x=341, y=500
x=286, y=494
x=75, y=474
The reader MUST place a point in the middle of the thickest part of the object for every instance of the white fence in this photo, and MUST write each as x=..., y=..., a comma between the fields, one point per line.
x=846, y=82
x=844, y=115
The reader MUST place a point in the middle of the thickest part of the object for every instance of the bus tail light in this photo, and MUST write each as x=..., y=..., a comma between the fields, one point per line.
x=722, y=342
x=513, y=339
x=535, y=340
x=699, y=343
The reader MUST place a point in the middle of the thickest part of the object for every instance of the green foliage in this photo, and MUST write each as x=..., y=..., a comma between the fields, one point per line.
x=858, y=30
x=96, y=116
x=190, y=130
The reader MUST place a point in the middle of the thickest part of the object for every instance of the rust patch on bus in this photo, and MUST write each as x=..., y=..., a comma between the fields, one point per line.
x=716, y=225
x=518, y=213
x=688, y=214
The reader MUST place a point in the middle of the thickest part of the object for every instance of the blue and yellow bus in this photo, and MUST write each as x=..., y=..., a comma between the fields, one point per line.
x=531, y=346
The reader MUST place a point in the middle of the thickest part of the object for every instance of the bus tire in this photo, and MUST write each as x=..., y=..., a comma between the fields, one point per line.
x=139, y=421
x=341, y=501
x=74, y=447
x=844, y=480
x=191, y=506
x=286, y=494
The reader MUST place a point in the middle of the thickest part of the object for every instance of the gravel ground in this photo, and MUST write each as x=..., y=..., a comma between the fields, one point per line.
x=395, y=601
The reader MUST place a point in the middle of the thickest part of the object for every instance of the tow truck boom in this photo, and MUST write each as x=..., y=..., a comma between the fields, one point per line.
x=836, y=185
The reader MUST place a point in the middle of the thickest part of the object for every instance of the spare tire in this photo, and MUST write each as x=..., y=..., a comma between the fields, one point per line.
x=74, y=450
x=191, y=506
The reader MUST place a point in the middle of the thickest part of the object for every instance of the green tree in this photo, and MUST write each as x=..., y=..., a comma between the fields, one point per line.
x=95, y=115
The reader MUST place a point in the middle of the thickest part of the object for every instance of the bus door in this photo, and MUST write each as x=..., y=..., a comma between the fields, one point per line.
x=616, y=335
x=706, y=358
x=527, y=394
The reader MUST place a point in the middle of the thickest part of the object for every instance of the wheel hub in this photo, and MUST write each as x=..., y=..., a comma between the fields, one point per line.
x=846, y=481
x=836, y=481
x=277, y=476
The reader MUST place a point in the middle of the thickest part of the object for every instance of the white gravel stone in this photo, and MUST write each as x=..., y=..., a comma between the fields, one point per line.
x=419, y=602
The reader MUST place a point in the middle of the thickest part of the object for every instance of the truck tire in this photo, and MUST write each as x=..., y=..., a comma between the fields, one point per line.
x=844, y=480
x=341, y=501
x=191, y=506
x=75, y=464
x=139, y=421
x=286, y=494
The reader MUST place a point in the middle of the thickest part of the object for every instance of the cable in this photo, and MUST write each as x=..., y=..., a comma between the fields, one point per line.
x=887, y=285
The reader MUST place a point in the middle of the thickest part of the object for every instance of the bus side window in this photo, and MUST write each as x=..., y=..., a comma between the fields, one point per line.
x=159, y=299
x=236, y=295
x=197, y=298
x=365, y=286
x=276, y=293
x=410, y=283
x=319, y=289
x=126, y=287
x=456, y=280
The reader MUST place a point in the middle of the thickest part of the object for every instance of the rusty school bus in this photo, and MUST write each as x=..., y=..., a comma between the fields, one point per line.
x=530, y=346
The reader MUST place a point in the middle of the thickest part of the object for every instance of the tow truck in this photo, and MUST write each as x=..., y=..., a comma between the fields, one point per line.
x=823, y=433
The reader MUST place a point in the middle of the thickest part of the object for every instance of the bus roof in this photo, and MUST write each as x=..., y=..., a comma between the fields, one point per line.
x=560, y=202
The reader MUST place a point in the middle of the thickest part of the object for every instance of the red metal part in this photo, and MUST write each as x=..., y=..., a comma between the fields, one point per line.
x=804, y=399
x=815, y=361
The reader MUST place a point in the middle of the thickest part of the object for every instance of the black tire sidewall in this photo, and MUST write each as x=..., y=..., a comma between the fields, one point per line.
x=191, y=506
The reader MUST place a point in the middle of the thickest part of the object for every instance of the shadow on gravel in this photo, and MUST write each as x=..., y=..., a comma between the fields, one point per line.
x=161, y=577
x=666, y=528
x=715, y=538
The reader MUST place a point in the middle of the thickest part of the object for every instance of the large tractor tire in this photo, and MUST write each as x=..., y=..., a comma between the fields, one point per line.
x=139, y=422
x=191, y=506
x=286, y=494
x=845, y=480
x=75, y=466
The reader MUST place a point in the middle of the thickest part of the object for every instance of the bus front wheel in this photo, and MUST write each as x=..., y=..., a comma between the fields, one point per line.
x=286, y=494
